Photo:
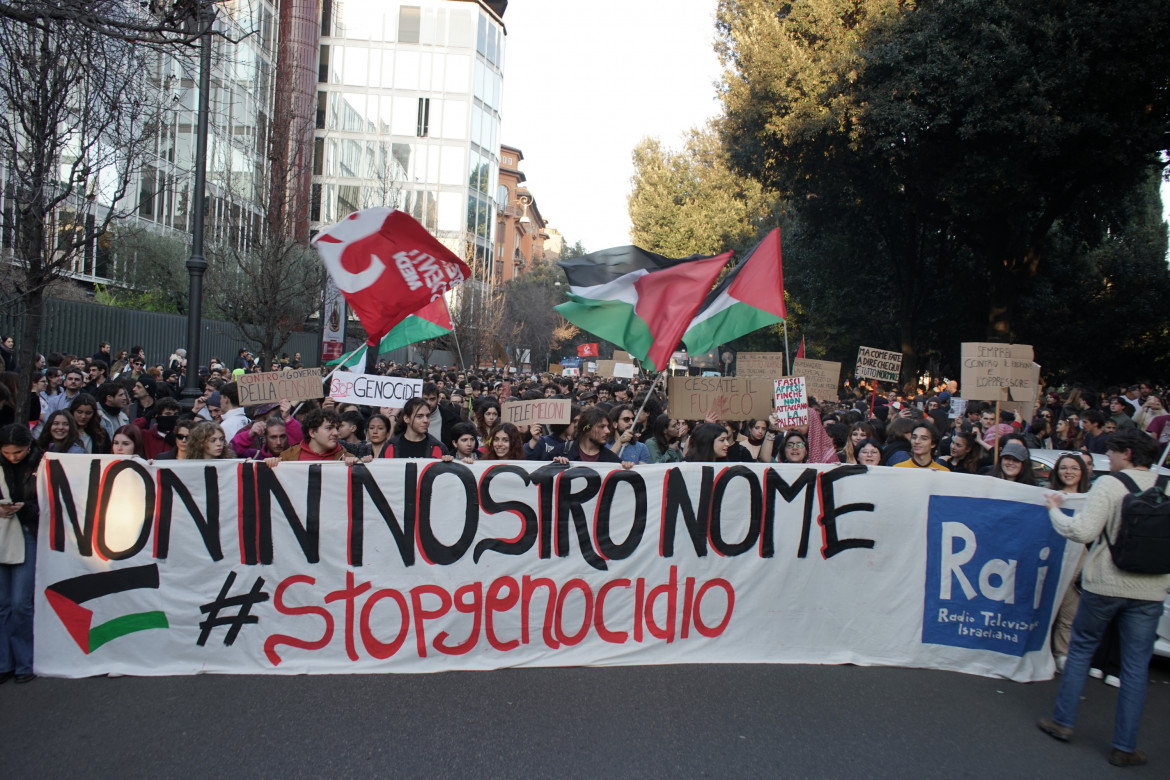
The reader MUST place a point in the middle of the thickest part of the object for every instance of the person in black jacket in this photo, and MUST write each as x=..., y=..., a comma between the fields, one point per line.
x=413, y=440
x=591, y=440
x=19, y=458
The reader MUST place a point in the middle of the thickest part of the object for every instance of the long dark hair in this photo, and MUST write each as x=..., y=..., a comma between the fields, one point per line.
x=1054, y=476
x=46, y=443
x=661, y=426
x=93, y=428
x=702, y=445
x=408, y=410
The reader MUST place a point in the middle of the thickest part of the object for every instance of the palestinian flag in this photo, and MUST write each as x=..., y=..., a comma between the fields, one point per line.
x=636, y=299
x=431, y=321
x=750, y=297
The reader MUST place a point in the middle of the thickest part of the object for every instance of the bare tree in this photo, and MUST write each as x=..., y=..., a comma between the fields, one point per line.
x=477, y=312
x=76, y=113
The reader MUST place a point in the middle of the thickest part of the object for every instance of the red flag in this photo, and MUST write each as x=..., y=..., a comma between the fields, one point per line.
x=820, y=445
x=387, y=266
x=800, y=352
x=588, y=350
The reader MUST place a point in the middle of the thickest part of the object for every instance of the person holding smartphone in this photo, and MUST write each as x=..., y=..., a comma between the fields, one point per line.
x=19, y=458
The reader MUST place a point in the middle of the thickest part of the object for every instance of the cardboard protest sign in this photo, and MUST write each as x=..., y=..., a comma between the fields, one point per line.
x=879, y=364
x=232, y=567
x=373, y=390
x=556, y=368
x=731, y=398
x=624, y=370
x=295, y=384
x=621, y=356
x=822, y=378
x=760, y=365
x=997, y=372
x=605, y=368
x=791, y=402
x=546, y=411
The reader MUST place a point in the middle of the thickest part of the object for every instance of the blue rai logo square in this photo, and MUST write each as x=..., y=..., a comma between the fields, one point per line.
x=992, y=568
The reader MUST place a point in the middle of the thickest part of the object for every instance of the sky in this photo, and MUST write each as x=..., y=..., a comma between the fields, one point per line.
x=584, y=82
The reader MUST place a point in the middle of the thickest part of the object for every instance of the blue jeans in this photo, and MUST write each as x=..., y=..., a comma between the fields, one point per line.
x=16, y=610
x=1138, y=622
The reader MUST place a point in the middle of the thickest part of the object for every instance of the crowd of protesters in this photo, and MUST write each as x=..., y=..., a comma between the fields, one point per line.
x=127, y=405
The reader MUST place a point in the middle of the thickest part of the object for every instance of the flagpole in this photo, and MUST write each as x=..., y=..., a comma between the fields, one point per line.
x=458, y=349
x=645, y=400
x=787, y=354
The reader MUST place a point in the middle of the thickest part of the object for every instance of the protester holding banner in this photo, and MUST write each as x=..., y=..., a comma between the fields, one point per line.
x=858, y=432
x=412, y=439
x=966, y=453
x=589, y=444
x=1109, y=592
x=128, y=441
x=558, y=439
x=462, y=443
x=19, y=459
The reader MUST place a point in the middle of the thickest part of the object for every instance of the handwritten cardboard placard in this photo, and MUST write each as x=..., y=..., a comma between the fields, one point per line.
x=605, y=368
x=997, y=372
x=730, y=397
x=760, y=365
x=822, y=378
x=373, y=390
x=294, y=384
x=546, y=411
x=621, y=356
x=791, y=402
x=879, y=364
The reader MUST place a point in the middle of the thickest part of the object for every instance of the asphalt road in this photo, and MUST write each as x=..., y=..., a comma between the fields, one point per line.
x=638, y=722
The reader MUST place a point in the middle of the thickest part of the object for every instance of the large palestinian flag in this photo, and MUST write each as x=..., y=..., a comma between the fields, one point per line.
x=636, y=299
x=750, y=297
x=431, y=321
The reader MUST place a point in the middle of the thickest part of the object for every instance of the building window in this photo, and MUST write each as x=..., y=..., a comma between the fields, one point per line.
x=326, y=17
x=408, y=24
x=315, y=204
x=318, y=156
x=322, y=107
x=323, y=67
x=424, y=117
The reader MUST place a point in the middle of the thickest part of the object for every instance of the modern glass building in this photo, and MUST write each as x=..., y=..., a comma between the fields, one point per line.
x=408, y=116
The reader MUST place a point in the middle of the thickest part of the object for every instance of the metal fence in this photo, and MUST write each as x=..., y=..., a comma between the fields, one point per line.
x=77, y=327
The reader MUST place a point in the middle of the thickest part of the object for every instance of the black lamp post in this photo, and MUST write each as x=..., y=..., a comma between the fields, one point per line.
x=196, y=263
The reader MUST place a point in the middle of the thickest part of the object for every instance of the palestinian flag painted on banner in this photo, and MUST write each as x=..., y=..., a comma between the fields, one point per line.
x=431, y=321
x=636, y=299
x=750, y=297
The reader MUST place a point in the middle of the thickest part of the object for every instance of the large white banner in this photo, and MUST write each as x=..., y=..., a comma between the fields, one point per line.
x=420, y=566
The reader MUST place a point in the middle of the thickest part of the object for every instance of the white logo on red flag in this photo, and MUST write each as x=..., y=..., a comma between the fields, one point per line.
x=387, y=265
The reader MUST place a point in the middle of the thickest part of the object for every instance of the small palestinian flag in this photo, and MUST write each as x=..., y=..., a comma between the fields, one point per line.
x=636, y=299
x=750, y=297
x=431, y=321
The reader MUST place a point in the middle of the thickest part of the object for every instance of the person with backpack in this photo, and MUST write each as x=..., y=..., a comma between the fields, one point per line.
x=1126, y=574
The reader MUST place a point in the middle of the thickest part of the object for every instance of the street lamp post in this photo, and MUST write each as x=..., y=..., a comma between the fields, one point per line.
x=196, y=263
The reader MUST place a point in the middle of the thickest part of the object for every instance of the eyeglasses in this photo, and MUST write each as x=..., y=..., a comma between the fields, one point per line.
x=181, y=437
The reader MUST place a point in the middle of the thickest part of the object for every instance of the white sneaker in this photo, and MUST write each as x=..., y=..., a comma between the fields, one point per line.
x=1113, y=680
x=1060, y=659
x=1096, y=674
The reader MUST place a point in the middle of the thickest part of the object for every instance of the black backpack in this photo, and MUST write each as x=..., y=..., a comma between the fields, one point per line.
x=1143, y=538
